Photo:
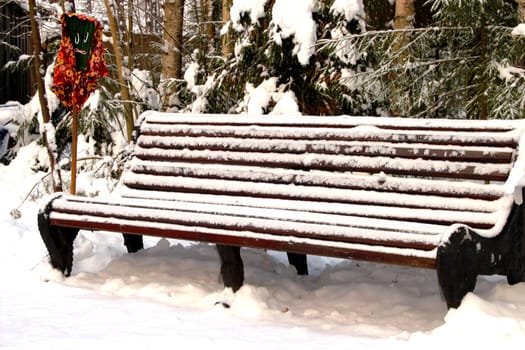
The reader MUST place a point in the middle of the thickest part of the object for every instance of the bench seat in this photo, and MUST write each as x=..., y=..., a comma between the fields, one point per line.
x=436, y=194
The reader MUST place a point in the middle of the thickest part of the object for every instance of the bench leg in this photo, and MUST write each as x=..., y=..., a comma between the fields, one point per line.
x=59, y=243
x=133, y=243
x=457, y=267
x=299, y=261
x=516, y=266
x=467, y=255
x=232, y=269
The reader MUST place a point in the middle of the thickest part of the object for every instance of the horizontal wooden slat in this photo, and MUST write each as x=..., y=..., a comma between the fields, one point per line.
x=377, y=182
x=424, y=209
x=416, y=167
x=357, y=133
x=390, y=255
x=255, y=189
x=265, y=224
x=408, y=151
x=316, y=204
x=333, y=122
x=351, y=216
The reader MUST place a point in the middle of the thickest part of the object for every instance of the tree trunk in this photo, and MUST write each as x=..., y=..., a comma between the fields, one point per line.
x=521, y=19
x=404, y=16
x=39, y=72
x=227, y=37
x=172, y=57
x=173, y=22
x=207, y=29
x=178, y=37
x=129, y=36
x=200, y=16
x=124, y=90
x=210, y=25
x=521, y=10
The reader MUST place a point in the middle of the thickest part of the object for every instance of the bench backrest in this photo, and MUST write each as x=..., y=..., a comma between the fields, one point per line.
x=432, y=172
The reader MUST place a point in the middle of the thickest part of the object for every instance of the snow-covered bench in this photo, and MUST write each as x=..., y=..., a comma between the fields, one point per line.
x=441, y=194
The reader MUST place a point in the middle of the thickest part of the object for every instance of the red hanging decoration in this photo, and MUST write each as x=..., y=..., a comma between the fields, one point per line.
x=71, y=84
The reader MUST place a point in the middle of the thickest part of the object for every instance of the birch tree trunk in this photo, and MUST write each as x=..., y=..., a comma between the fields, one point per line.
x=39, y=73
x=173, y=45
x=124, y=90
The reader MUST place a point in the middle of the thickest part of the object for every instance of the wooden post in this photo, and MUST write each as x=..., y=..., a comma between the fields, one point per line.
x=74, y=137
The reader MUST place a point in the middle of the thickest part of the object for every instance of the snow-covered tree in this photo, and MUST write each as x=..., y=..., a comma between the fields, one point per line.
x=477, y=36
x=454, y=68
x=276, y=57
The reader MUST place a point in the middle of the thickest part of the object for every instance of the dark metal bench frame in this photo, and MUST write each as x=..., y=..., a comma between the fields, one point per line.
x=459, y=258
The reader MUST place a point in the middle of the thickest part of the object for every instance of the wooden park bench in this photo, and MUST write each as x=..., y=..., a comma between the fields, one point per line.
x=440, y=194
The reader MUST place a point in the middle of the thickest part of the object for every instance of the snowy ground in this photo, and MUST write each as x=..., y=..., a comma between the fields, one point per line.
x=164, y=296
